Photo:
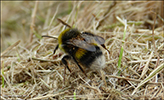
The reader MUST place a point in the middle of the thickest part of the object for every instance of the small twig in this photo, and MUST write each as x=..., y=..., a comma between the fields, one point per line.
x=44, y=83
x=141, y=61
x=9, y=56
x=33, y=21
x=161, y=14
x=103, y=77
x=64, y=23
x=153, y=32
x=147, y=65
x=48, y=96
x=105, y=14
x=54, y=16
x=42, y=60
x=92, y=87
x=134, y=80
x=10, y=47
x=48, y=15
x=49, y=36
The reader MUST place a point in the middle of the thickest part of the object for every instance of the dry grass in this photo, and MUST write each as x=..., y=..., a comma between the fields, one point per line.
x=30, y=71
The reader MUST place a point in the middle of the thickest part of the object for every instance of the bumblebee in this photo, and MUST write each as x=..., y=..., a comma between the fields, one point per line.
x=82, y=47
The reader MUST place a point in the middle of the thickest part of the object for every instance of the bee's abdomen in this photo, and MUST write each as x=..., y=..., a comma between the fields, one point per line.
x=92, y=59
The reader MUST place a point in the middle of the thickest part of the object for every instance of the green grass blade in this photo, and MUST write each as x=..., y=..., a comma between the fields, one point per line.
x=122, y=49
x=74, y=95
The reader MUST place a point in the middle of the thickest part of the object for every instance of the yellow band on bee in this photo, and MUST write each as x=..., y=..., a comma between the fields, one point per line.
x=60, y=46
x=61, y=35
x=79, y=53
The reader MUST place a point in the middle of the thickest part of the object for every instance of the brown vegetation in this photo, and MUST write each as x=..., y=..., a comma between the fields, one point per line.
x=30, y=71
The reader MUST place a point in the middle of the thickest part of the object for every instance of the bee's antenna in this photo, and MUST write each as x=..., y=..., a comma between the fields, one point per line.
x=64, y=23
x=49, y=36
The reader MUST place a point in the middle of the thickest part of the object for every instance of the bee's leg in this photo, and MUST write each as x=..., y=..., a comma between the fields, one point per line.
x=105, y=48
x=64, y=74
x=79, y=66
x=56, y=48
x=64, y=61
x=66, y=57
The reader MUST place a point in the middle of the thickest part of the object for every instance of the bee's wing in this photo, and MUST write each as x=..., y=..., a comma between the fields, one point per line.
x=91, y=38
x=82, y=44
